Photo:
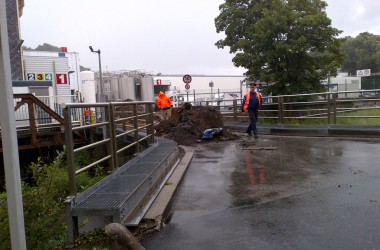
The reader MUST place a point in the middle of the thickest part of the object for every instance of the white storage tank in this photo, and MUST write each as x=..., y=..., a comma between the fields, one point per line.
x=88, y=86
x=127, y=89
x=114, y=84
x=147, y=88
x=106, y=89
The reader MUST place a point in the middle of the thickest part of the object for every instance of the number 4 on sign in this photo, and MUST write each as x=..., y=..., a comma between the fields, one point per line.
x=48, y=77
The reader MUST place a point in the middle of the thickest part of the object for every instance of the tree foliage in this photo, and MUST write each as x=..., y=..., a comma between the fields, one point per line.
x=361, y=52
x=43, y=47
x=43, y=200
x=289, y=42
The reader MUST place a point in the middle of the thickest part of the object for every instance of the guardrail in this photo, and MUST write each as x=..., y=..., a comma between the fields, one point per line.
x=132, y=119
x=327, y=107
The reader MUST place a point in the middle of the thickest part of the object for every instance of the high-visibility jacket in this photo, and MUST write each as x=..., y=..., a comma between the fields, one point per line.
x=163, y=101
x=248, y=98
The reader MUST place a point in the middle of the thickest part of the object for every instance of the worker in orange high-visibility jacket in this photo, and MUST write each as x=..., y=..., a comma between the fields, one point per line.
x=251, y=104
x=87, y=116
x=164, y=103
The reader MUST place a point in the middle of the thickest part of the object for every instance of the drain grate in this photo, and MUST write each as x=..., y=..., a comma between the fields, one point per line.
x=122, y=184
x=102, y=201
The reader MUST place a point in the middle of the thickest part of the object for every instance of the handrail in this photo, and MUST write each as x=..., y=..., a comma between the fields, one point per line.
x=108, y=122
x=325, y=105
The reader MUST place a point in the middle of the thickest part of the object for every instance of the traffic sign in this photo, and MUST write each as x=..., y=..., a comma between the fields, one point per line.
x=187, y=86
x=186, y=79
x=158, y=82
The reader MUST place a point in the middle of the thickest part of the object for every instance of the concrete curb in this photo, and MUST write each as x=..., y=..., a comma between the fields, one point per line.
x=159, y=211
x=333, y=130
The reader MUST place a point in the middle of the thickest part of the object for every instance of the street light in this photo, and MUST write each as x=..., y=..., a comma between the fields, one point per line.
x=241, y=87
x=211, y=85
x=101, y=98
x=69, y=73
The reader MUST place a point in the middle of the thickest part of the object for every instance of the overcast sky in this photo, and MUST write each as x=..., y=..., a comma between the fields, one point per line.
x=158, y=36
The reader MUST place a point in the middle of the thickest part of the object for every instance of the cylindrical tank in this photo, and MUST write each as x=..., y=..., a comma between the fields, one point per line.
x=107, y=89
x=114, y=82
x=87, y=75
x=147, y=88
x=88, y=86
x=127, y=89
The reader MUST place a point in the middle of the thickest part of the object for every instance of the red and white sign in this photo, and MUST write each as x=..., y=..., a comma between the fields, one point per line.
x=187, y=86
x=186, y=79
x=158, y=82
x=363, y=72
x=61, y=78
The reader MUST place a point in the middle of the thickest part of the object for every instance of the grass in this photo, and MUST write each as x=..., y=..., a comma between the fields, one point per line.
x=356, y=118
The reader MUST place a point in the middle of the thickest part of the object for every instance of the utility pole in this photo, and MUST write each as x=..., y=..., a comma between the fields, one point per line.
x=9, y=138
x=101, y=97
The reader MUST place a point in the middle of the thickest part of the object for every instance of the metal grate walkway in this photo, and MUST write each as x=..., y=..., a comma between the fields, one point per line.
x=125, y=195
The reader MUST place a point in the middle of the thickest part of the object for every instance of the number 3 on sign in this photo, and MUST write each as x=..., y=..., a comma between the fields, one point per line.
x=61, y=78
x=40, y=77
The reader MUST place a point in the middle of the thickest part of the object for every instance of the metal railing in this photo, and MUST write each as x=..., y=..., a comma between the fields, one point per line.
x=112, y=122
x=22, y=114
x=327, y=107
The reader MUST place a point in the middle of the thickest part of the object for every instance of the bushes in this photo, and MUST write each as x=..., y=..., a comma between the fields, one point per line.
x=43, y=199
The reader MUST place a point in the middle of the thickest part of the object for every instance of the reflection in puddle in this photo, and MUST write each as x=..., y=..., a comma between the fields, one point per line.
x=256, y=172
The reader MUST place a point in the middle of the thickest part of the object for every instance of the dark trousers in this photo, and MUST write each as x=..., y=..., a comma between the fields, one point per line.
x=253, y=114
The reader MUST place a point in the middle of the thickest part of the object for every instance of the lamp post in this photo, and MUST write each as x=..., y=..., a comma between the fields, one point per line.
x=69, y=73
x=101, y=97
x=211, y=85
x=241, y=87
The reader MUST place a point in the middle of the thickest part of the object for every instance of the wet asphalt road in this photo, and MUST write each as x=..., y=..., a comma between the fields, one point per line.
x=306, y=193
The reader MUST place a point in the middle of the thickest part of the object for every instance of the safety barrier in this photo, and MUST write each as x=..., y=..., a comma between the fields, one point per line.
x=327, y=107
x=132, y=119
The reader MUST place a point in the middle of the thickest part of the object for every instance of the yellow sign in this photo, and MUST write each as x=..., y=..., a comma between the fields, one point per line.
x=40, y=76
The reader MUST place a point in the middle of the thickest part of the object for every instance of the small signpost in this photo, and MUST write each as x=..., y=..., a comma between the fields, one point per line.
x=187, y=79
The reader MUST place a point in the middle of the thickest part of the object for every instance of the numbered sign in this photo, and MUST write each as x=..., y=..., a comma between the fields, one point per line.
x=40, y=77
x=31, y=76
x=61, y=78
x=48, y=77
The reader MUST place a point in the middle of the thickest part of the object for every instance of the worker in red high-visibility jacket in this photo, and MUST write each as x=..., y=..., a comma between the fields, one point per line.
x=251, y=104
x=164, y=103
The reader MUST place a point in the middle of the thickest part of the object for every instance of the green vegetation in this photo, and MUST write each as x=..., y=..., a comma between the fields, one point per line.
x=43, y=200
x=290, y=43
x=359, y=120
x=361, y=52
x=362, y=117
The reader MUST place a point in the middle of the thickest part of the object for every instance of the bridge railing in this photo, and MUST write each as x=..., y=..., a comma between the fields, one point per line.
x=327, y=108
x=115, y=127
x=41, y=117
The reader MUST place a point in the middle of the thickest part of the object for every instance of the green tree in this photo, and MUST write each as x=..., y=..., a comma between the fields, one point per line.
x=361, y=52
x=82, y=68
x=289, y=42
x=47, y=47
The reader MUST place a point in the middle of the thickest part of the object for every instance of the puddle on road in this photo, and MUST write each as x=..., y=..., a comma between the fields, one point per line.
x=229, y=175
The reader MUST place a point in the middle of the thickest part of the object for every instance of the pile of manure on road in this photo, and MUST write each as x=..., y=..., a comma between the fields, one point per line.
x=188, y=123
